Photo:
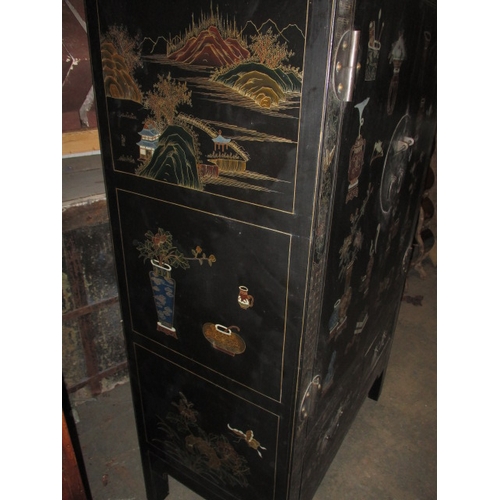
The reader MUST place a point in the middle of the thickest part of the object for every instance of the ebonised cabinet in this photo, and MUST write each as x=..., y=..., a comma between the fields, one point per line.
x=264, y=163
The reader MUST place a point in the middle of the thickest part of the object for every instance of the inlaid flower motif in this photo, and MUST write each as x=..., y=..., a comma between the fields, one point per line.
x=159, y=247
x=159, y=239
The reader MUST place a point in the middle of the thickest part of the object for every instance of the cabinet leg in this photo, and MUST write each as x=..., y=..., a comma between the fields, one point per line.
x=376, y=388
x=156, y=480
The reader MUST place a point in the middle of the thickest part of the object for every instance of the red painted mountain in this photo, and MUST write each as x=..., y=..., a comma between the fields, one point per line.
x=210, y=49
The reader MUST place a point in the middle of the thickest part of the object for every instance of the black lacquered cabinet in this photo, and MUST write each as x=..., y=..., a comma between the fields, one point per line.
x=264, y=163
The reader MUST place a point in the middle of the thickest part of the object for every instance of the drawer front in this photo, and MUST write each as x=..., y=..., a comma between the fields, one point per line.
x=223, y=301
x=221, y=442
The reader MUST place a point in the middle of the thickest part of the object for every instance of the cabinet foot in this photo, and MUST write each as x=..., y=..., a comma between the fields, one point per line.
x=376, y=388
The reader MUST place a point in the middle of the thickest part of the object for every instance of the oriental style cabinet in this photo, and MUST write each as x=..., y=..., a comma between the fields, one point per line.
x=264, y=164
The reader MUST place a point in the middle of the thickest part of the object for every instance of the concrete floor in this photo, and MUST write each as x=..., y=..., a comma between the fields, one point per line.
x=389, y=452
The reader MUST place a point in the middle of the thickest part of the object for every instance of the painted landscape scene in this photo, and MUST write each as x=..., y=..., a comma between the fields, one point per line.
x=213, y=106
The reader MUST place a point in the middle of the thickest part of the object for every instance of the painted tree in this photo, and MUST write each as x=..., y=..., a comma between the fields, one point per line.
x=268, y=50
x=125, y=46
x=167, y=95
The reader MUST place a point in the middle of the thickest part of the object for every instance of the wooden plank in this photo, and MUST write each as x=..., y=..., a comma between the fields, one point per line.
x=72, y=483
x=96, y=306
x=86, y=213
x=123, y=366
x=84, y=141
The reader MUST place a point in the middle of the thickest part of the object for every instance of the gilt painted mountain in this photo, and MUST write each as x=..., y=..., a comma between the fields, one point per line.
x=206, y=100
x=208, y=48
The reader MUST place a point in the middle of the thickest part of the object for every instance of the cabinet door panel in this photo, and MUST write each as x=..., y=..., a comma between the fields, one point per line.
x=230, y=78
x=206, y=432
x=223, y=303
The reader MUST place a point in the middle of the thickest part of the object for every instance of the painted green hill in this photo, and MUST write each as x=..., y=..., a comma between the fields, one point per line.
x=265, y=85
x=174, y=160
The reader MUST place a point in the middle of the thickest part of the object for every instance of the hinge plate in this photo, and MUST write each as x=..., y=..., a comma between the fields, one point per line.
x=308, y=403
x=346, y=65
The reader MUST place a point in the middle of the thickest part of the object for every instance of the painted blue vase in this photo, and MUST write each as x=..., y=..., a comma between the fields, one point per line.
x=164, y=295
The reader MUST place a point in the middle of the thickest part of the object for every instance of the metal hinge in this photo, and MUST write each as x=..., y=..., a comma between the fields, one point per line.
x=346, y=65
x=309, y=398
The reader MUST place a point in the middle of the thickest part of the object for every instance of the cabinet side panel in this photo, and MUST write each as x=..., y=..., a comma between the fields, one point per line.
x=209, y=126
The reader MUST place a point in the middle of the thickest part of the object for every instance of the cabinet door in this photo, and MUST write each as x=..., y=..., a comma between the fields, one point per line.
x=385, y=147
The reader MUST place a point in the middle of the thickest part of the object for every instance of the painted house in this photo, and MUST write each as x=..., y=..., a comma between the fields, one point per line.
x=148, y=142
x=220, y=143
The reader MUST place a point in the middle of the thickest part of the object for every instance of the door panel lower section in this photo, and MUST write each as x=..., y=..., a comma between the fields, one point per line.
x=205, y=432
